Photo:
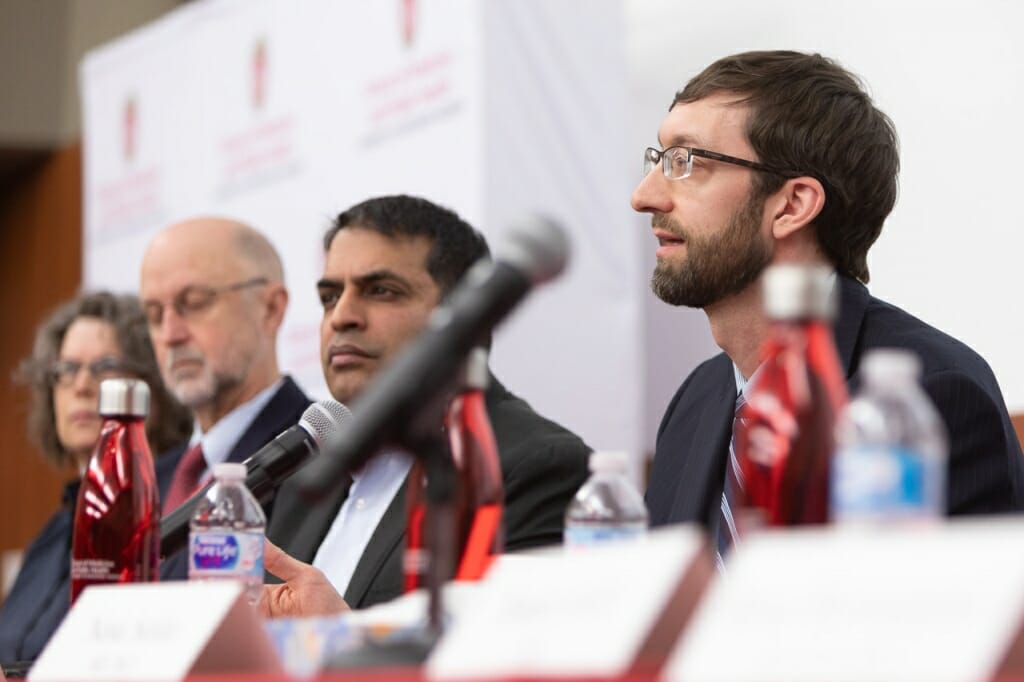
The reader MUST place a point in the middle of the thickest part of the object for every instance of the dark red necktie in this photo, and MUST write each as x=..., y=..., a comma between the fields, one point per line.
x=186, y=478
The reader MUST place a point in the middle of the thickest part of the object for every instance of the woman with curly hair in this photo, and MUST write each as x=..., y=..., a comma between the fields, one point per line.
x=93, y=337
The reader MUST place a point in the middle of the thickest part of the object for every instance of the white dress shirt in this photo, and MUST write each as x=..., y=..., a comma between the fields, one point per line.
x=371, y=493
x=223, y=436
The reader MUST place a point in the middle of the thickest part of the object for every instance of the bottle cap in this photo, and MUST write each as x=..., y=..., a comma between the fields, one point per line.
x=883, y=366
x=795, y=292
x=230, y=471
x=476, y=373
x=127, y=397
x=609, y=460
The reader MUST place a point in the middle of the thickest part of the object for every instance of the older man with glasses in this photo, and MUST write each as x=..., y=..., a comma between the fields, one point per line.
x=213, y=293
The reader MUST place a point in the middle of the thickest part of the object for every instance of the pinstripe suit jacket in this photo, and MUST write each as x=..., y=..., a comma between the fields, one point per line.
x=986, y=467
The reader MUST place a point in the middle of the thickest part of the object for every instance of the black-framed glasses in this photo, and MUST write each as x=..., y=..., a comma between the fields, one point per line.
x=64, y=372
x=677, y=162
x=195, y=299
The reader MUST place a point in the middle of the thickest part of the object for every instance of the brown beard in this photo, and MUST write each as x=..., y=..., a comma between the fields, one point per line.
x=715, y=266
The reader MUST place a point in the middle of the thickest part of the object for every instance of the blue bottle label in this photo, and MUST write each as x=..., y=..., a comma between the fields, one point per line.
x=578, y=536
x=223, y=554
x=875, y=481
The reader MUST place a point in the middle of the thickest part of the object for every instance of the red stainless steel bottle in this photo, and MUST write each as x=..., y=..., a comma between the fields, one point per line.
x=479, y=533
x=479, y=504
x=117, y=518
x=785, y=437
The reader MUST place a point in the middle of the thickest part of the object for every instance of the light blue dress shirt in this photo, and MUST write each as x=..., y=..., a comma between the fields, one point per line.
x=371, y=493
x=223, y=436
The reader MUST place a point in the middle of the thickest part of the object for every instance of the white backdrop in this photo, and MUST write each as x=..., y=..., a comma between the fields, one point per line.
x=283, y=113
x=950, y=74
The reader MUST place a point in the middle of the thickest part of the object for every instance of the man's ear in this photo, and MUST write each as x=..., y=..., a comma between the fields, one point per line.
x=276, y=304
x=796, y=204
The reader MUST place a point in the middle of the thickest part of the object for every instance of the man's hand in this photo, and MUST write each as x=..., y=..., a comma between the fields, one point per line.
x=304, y=592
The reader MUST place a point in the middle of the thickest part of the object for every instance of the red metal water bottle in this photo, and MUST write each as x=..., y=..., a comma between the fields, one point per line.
x=481, y=489
x=416, y=559
x=479, y=505
x=117, y=518
x=785, y=437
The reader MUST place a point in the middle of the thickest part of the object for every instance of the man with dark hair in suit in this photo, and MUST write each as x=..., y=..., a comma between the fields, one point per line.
x=781, y=157
x=214, y=297
x=389, y=262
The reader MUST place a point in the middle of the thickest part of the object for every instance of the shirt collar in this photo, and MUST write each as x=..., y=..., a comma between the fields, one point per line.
x=222, y=436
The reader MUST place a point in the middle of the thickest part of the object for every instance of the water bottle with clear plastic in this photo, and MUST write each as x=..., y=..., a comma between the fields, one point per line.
x=226, y=532
x=892, y=446
x=607, y=506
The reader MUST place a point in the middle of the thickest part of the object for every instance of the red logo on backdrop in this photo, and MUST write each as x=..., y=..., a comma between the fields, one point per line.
x=259, y=73
x=129, y=128
x=408, y=21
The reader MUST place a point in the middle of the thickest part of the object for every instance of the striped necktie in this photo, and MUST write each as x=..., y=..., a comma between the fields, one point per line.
x=727, y=535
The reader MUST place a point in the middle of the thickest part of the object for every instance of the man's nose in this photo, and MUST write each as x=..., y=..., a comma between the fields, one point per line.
x=173, y=327
x=652, y=194
x=348, y=312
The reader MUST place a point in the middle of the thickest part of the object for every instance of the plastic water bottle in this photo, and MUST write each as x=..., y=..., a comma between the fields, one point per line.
x=226, y=532
x=893, y=448
x=607, y=506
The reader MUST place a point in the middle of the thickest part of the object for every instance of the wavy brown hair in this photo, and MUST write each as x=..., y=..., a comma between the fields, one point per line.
x=810, y=115
x=168, y=424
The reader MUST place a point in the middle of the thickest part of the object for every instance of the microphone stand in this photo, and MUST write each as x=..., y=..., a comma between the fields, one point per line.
x=427, y=441
x=439, y=470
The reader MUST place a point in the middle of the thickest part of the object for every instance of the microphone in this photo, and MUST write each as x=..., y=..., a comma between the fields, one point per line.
x=319, y=425
x=535, y=251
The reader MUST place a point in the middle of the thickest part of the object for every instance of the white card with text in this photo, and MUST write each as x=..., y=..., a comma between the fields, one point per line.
x=157, y=632
x=941, y=603
x=581, y=612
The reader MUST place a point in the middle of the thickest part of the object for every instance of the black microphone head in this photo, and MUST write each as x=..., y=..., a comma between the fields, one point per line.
x=536, y=245
x=323, y=420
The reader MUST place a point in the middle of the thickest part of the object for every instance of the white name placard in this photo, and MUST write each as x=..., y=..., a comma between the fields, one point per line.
x=585, y=612
x=938, y=603
x=157, y=631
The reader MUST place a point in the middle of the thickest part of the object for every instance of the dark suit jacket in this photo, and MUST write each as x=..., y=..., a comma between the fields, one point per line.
x=542, y=464
x=42, y=591
x=283, y=411
x=986, y=468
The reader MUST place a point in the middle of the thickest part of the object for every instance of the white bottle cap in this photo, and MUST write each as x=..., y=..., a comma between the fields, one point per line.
x=609, y=460
x=889, y=366
x=229, y=471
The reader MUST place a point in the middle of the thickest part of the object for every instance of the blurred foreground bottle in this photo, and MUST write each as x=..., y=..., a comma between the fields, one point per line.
x=607, y=506
x=893, y=448
x=479, y=503
x=785, y=435
x=226, y=532
x=117, y=518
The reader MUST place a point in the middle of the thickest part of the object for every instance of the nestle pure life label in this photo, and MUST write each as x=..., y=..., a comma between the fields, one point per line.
x=225, y=554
